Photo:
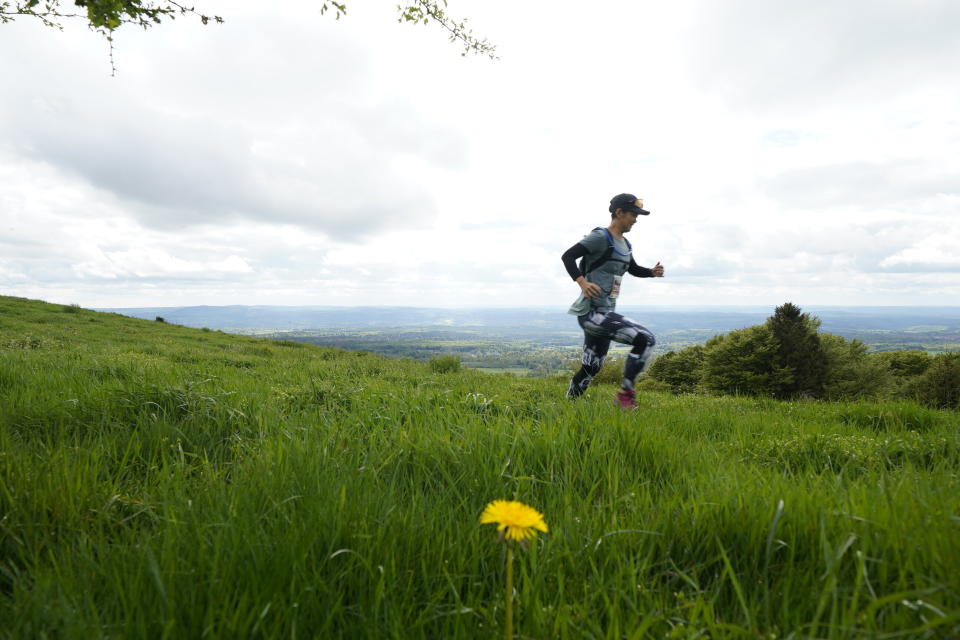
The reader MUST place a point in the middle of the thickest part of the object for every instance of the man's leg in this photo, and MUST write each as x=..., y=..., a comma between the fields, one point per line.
x=594, y=350
x=634, y=366
x=626, y=331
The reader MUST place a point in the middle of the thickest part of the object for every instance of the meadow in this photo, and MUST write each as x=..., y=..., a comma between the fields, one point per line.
x=158, y=481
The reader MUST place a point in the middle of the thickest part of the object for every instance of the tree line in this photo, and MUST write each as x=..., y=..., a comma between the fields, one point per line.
x=787, y=357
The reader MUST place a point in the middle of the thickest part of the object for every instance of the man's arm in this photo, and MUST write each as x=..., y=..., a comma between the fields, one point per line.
x=569, y=258
x=642, y=272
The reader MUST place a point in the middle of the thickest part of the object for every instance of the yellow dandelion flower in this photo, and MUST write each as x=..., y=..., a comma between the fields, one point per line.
x=515, y=520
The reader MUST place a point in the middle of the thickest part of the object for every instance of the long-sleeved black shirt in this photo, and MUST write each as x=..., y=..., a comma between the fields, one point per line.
x=577, y=251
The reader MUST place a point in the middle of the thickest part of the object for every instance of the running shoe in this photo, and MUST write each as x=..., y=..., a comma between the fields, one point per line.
x=626, y=399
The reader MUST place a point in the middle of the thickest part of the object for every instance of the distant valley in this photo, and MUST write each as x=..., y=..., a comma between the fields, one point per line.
x=540, y=341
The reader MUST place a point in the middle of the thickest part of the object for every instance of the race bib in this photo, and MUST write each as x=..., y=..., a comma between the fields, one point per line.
x=615, y=288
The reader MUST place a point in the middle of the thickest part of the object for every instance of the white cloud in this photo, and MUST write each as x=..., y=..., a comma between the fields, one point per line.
x=149, y=262
x=935, y=252
x=180, y=154
x=822, y=55
x=787, y=152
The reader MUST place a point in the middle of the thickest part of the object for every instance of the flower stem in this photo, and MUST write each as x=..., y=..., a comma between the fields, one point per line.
x=508, y=623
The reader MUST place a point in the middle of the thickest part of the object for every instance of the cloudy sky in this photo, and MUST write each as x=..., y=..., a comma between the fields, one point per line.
x=788, y=151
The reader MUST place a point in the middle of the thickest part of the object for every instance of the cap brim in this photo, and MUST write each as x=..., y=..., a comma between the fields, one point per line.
x=638, y=211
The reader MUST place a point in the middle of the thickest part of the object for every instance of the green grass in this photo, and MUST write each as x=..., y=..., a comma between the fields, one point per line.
x=522, y=372
x=164, y=482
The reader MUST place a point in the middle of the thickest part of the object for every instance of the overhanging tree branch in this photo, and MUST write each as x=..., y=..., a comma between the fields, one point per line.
x=105, y=16
x=422, y=11
x=101, y=14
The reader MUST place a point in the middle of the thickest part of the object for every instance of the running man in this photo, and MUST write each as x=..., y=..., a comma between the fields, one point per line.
x=606, y=256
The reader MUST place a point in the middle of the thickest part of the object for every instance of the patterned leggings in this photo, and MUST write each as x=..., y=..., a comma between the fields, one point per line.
x=598, y=330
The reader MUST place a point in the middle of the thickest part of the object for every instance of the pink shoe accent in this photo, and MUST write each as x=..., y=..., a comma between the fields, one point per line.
x=626, y=399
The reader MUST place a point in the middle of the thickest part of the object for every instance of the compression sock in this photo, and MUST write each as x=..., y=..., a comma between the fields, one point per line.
x=578, y=386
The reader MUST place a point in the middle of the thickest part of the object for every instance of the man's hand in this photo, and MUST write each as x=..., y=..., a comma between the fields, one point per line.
x=657, y=270
x=589, y=289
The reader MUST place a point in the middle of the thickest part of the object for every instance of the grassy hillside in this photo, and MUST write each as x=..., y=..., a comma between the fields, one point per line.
x=164, y=482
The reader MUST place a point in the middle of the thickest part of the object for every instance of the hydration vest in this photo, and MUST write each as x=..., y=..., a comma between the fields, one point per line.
x=606, y=255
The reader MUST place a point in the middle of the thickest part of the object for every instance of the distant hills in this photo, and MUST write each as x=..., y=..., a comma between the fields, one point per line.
x=720, y=318
x=931, y=328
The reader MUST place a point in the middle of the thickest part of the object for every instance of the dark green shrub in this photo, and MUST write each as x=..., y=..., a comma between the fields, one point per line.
x=445, y=364
x=680, y=370
x=905, y=369
x=940, y=385
x=610, y=373
x=744, y=362
x=905, y=364
x=851, y=372
x=798, y=351
x=783, y=357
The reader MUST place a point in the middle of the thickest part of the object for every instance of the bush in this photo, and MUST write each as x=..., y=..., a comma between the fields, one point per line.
x=906, y=364
x=906, y=369
x=940, y=385
x=798, y=351
x=445, y=364
x=610, y=373
x=680, y=370
x=852, y=372
x=783, y=357
x=744, y=362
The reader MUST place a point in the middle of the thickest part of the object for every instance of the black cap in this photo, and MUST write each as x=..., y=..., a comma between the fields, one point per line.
x=628, y=202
